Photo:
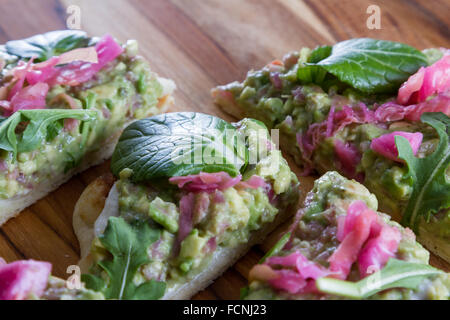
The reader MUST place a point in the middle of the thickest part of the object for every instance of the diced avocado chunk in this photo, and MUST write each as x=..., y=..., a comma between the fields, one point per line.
x=191, y=248
x=164, y=213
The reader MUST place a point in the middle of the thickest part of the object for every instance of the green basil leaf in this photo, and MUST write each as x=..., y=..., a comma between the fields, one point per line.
x=128, y=245
x=47, y=45
x=395, y=274
x=431, y=189
x=373, y=66
x=179, y=144
x=41, y=125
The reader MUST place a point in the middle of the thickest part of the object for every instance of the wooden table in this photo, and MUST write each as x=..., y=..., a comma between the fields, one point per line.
x=199, y=44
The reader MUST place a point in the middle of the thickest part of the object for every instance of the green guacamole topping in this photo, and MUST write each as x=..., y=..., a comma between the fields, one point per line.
x=220, y=219
x=124, y=90
x=276, y=96
x=315, y=237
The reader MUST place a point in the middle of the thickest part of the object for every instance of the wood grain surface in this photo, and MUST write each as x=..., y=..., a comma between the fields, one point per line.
x=199, y=44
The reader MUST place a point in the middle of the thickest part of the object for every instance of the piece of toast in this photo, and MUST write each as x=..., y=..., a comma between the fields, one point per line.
x=101, y=194
x=10, y=208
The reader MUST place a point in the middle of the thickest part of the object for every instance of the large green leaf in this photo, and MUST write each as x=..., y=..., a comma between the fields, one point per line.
x=370, y=65
x=178, y=144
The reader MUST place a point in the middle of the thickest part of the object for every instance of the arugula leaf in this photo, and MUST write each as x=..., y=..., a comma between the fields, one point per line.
x=178, y=144
x=431, y=189
x=47, y=45
x=395, y=274
x=41, y=125
x=128, y=246
x=369, y=65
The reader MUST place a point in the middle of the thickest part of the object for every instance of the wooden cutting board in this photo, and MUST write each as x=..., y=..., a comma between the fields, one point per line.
x=199, y=44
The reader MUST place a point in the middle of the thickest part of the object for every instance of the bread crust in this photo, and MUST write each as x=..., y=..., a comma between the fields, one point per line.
x=10, y=208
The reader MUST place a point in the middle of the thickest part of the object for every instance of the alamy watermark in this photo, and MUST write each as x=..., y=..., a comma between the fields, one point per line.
x=374, y=20
x=74, y=17
x=218, y=147
x=74, y=281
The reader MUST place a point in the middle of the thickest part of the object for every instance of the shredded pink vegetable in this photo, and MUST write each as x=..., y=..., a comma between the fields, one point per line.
x=365, y=238
x=209, y=182
x=30, y=97
x=77, y=71
x=306, y=268
x=427, y=81
x=185, y=220
x=254, y=182
x=356, y=232
x=394, y=112
x=348, y=157
x=19, y=75
x=336, y=121
x=20, y=279
x=385, y=144
x=379, y=248
x=298, y=276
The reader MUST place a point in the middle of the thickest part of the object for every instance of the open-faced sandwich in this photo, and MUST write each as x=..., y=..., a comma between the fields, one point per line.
x=376, y=111
x=32, y=280
x=64, y=100
x=340, y=247
x=190, y=194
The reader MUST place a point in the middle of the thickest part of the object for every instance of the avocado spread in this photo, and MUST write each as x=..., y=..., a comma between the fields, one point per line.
x=220, y=218
x=315, y=237
x=276, y=96
x=124, y=90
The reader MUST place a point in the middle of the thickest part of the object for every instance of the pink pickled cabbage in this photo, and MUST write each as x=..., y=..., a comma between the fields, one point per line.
x=365, y=238
x=209, y=182
x=30, y=97
x=185, y=219
x=336, y=121
x=298, y=274
x=20, y=279
x=75, y=72
x=206, y=181
x=348, y=156
x=378, y=250
x=254, y=182
x=353, y=233
x=391, y=111
x=307, y=269
x=385, y=144
x=19, y=75
x=427, y=81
